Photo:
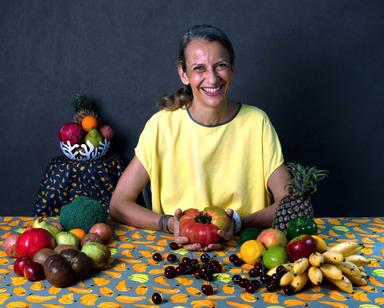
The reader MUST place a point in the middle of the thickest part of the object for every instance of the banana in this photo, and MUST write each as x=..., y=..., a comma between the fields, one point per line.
x=321, y=244
x=333, y=256
x=347, y=248
x=316, y=259
x=300, y=266
x=358, y=281
x=358, y=260
x=286, y=279
x=288, y=267
x=299, y=282
x=349, y=268
x=315, y=275
x=343, y=284
x=330, y=271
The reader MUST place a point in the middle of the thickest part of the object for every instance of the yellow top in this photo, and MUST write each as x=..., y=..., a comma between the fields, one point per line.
x=192, y=165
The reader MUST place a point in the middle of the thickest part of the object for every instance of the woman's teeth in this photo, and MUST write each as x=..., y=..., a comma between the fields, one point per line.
x=212, y=90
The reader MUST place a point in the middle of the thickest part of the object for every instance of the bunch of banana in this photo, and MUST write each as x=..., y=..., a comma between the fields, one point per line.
x=341, y=265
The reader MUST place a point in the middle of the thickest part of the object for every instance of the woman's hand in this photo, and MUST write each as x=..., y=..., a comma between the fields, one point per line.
x=185, y=242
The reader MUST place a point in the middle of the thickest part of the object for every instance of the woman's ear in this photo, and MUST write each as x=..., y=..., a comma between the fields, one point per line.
x=183, y=75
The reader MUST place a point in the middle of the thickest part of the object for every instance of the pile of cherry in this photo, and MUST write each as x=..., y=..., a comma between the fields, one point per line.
x=207, y=267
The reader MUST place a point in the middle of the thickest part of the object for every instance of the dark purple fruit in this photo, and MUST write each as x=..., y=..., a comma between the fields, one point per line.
x=253, y=273
x=173, y=246
x=207, y=289
x=205, y=258
x=170, y=272
x=156, y=257
x=265, y=278
x=238, y=262
x=186, y=260
x=172, y=258
x=233, y=258
x=236, y=279
x=251, y=287
x=259, y=265
x=243, y=282
x=58, y=271
x=289, y=290
x=156, y=298
x=272, y=286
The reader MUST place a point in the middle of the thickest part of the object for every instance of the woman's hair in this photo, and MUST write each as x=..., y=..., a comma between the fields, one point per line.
x=182, y=98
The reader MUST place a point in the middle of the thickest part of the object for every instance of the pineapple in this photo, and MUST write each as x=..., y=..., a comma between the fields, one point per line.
x=303, y=184
x=82, y=108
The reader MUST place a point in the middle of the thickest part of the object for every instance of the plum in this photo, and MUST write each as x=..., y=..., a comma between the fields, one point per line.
x=58, y=271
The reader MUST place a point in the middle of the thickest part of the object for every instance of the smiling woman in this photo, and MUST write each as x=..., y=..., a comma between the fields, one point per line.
x=203, y=149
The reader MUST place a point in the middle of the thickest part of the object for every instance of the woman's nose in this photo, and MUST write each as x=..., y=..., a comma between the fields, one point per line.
x=212, y=76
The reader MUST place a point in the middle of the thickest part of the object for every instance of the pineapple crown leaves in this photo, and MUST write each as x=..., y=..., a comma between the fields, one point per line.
x=303, y=182
x=80, y=102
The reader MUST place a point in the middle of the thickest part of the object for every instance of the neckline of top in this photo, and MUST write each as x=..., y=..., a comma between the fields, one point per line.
x=219, y=124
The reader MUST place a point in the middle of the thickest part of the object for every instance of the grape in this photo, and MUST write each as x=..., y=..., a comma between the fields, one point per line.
x=156, y=298
x=174, y=246
x=207, y=289
x=156, y=257
x=170, y=272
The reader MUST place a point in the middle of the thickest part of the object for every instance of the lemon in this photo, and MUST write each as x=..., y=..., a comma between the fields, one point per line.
x=251, y=251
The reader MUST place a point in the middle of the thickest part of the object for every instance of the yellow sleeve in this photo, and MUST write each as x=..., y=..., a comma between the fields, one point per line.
x=146, y=146
x=272, y=152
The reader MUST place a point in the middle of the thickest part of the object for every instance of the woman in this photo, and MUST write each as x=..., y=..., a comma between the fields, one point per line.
x=203, y=149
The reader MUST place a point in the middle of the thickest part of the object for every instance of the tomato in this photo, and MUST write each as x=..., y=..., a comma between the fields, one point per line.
x=202, y=226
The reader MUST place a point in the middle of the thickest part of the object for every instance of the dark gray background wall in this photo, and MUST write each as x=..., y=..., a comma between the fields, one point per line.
x=316, y=68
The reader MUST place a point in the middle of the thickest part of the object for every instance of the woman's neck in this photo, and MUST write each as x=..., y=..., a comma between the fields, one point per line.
x=211, y=116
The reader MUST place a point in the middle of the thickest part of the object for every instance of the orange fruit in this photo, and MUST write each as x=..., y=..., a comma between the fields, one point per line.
x=89, y=122
x=251, y=251
x=80, y=233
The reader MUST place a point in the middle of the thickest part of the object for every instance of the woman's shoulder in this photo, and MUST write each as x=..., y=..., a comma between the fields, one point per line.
x=253, y=112
x=164, y=116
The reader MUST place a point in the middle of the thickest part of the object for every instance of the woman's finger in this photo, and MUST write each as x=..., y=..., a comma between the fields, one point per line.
x=181, y=240
x=229, y=212
x=194, y=246
x=216, y=246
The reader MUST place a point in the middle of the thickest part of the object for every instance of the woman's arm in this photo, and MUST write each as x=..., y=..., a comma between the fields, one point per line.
x=277, y=183
x=123, y=207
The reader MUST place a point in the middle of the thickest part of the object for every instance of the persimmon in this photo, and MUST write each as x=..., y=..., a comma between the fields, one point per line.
x=80, y=233
x=89, y=122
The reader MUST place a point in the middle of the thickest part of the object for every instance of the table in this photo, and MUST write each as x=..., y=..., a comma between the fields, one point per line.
x=64, y=179
x=133, y=276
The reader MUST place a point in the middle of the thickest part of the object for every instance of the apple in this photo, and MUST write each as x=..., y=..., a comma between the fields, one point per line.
x=32, y=240
x=274, y=256
x=272, y=237
x=9, y=245
x=301, y=247
x=33, y=271
x=67, y=238
x=18, y=266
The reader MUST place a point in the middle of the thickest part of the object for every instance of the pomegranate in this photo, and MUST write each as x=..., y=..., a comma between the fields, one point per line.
x=71, y=132
x=32, y=240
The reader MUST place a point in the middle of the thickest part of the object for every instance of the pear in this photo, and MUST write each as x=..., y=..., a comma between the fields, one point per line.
x=42, y=223
x=94, y=137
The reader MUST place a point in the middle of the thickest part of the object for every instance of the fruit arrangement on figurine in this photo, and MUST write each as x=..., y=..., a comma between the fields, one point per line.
x=48, y=249
x=86, y=137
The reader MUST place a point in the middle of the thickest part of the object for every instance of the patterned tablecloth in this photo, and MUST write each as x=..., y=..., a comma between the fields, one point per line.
x=133, y=276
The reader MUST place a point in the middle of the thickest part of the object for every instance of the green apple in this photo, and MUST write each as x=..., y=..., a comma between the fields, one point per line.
x=67, y=238
x=43, y=224
x=274, y=256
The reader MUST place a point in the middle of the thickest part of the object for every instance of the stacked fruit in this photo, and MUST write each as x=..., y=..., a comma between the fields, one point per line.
x=44, y=249
x=86, y=127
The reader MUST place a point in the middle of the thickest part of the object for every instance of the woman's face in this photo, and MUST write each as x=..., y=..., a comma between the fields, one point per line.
x=208, y=71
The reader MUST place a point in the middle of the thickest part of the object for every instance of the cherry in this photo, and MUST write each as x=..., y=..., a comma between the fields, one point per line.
x=233, y=258
x=170, y=272
x=207, y=289
x=205, y=258
x=243, y=282
x=253, y=273
x=252, y=286
x=174, y=246
x=289, y=290
x=156, y=298
x=236, y=279
x=186, y=260
x=156, y=257
x=172, y=258
x=265, y=278
x=272, y=286
x=238, y=262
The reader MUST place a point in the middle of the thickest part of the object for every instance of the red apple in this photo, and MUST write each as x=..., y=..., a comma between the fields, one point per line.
x=33, y=271
x=32, y=240
x=301, y=247
x=20, y=263
x=272, y=237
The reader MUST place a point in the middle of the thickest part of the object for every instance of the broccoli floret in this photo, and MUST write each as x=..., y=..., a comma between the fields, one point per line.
x=82, y=212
